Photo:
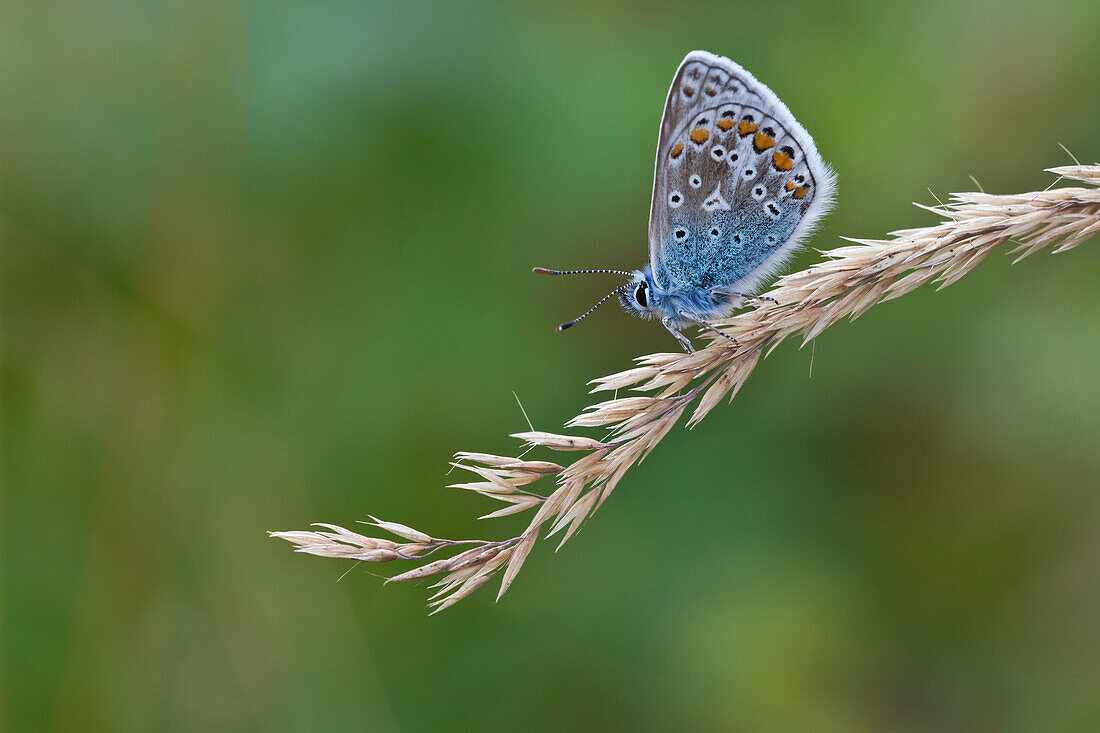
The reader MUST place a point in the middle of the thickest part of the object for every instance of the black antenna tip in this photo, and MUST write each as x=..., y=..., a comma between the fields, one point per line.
x=564, y=326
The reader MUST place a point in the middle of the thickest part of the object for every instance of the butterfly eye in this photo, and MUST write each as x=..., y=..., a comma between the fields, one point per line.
x=695, y=181
x=641, y=296
x=717, y=152
x=675, y=199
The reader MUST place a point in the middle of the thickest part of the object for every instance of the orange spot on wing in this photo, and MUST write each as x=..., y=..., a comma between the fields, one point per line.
x=725, y=124
x=782, y=161
x=762, y=142
x=676, y=150
x=745, y=128
x=800, y=192
x=791, y=185
x=700, y=135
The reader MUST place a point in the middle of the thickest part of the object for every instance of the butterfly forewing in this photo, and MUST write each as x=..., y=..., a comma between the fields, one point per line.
x=738, y=182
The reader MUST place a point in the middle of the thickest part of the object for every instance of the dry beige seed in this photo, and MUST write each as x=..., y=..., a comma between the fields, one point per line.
x=558, y=442
x=401, y=530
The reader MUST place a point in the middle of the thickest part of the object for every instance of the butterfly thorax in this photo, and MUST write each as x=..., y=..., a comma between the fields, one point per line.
x=644, y=298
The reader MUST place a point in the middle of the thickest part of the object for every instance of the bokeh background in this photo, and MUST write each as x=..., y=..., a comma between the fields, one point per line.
x=266, y=264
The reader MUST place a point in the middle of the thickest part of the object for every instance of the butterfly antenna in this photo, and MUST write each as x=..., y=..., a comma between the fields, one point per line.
x=544, y=271
x=582, y=316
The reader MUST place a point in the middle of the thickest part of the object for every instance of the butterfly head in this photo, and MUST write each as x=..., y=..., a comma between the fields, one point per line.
x=638, y=295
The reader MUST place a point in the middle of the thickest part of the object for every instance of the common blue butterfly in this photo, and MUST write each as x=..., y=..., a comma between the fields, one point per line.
x=738, y=184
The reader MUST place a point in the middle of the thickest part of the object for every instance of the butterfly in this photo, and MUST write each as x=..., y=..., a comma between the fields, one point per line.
x=737, y=186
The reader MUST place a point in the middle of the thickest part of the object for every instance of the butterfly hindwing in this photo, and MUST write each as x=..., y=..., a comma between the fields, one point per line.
x=738, y=181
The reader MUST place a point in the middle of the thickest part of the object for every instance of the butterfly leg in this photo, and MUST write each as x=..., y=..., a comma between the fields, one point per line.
x=667, y=321
x=758, y=298
x=707, y=325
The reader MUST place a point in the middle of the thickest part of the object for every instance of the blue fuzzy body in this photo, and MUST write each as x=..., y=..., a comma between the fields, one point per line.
x=698, y=303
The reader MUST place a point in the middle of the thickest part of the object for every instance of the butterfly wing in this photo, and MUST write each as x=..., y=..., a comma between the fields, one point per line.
x=738, y=181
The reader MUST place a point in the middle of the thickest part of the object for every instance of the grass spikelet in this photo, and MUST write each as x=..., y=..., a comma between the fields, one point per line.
x=850, y=280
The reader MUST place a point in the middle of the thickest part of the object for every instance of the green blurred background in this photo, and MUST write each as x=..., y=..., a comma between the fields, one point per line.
x=266, y=264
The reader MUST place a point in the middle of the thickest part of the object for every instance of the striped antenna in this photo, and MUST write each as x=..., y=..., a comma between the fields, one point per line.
x=544, y=271
x=581, y=317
